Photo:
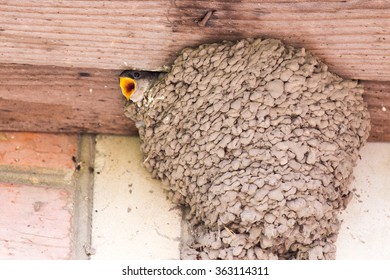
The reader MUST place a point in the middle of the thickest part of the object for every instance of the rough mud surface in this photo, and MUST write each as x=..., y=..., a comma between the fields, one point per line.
x=259, y=141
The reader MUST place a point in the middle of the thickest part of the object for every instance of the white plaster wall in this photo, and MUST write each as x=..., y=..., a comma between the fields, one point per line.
x=132, y=219
x=365, y=232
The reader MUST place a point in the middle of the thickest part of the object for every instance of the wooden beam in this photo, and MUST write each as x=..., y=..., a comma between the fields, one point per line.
x=351, y=36
x=59, y=99
x=377, y=96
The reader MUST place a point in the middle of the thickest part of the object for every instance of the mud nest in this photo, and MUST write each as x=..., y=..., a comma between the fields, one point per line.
x=258, y=140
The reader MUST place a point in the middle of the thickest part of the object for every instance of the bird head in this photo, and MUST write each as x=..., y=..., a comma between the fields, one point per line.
x=134, y=84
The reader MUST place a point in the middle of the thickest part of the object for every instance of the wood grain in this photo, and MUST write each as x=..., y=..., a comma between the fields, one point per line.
x=377, y=96
x=59, y=99
x=78, y=100
x=351, y=36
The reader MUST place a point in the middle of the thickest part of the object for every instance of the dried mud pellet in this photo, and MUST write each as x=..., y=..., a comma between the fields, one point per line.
x=275, y=88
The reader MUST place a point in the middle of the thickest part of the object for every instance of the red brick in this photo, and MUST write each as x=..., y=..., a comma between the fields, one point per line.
x=35, y=222
x=37, y=150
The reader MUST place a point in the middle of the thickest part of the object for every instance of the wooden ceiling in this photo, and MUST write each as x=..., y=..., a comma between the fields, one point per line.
x=45, y=45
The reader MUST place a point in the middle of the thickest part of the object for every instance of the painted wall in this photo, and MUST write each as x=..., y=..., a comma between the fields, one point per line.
x=366, y=229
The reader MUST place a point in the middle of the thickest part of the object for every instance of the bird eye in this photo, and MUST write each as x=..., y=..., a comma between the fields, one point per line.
x=136, y=75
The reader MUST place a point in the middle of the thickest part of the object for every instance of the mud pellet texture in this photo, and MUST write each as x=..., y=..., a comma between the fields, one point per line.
x=258, y=140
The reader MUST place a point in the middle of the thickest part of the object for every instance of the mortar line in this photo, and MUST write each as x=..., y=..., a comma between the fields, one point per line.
x=84, y=180
x=36, y=176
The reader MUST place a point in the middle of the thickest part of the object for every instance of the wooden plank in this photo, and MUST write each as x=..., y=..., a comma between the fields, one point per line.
x=351, y=36
x=59, y=99
x=377, y=96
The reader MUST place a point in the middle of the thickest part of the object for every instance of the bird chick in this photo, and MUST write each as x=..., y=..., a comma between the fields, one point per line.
x=134, y=84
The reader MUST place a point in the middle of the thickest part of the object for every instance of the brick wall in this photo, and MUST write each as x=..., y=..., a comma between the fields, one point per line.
x=49, y=183
x=37, y=195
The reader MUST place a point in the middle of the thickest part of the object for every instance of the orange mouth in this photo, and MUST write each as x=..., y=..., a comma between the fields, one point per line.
x=128, y=86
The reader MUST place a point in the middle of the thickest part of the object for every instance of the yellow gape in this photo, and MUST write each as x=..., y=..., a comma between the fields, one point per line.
x=128, y=86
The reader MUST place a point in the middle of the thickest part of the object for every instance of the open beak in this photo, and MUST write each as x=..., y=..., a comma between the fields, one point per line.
x=128, y=86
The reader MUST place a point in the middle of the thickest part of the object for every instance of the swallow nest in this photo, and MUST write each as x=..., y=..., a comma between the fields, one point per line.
x=258, y=140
